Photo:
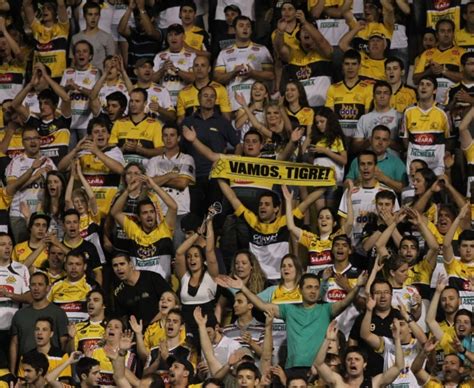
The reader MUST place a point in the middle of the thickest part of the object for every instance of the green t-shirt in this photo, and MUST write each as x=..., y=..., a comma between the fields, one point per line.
x=306, y=328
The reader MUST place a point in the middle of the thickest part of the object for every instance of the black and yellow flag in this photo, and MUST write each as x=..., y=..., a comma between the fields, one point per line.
x=272, y=171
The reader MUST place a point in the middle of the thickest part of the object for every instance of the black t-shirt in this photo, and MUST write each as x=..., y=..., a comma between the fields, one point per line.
x=381, y=327
x=142, y=298
x=91, y=254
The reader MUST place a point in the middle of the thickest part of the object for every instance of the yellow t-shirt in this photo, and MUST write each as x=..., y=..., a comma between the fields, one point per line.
x=22, y=250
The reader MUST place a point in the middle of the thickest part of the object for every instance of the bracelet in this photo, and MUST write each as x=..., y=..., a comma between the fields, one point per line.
x=464, y=351
x=122, y=353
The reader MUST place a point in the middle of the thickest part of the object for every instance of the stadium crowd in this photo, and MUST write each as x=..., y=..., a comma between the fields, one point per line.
x=222, y=193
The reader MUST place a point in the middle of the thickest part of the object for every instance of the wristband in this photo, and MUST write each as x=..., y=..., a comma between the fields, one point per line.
x=464, y=351
x=122, y=353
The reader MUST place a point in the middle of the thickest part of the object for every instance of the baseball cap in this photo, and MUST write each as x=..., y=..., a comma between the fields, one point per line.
x=187, y=365
x=377, y=34
x=178, y=28
x=142, y=61
x=343, y=237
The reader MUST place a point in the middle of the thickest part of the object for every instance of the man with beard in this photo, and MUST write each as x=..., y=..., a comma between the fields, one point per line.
x=23, y=322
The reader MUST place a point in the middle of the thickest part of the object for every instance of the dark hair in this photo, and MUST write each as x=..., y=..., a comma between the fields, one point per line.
x=127, y=258
x=99, y=121
x=76, y=253
x=47, y=203
x=38, y=361
x=430, y=78
x=367, y=153
x=411, y=238
x=428, y=175
x=251, y=367
x=85, y=365
x=441, y=21
x=188, y=3
x=356, y=349
x=448, y=208
x=41, y=274
x=394, y=263
x=142, y=91
x=49, y=95
x=466, y=56
x=297, y=377
x=119, y=97
x=144, y=202
x=381, y=127
x=276, y=201
x=298, y=267
x=130, y=165
x=333, y=214
x=253, y=131
x=421, y=161
x=466, y=235
x=71, y=212
x=333, y=128
x=90, y=5
x=96, y=291
x=177, y=311
x=214, y=381
x=46, y=319
x=381, y=84
x=91, y=48
x=352, y=54
x=169, y=126
x=202, y=253
x=395, y=59
x=239, y=18
x=465, y=312
x=380, y=281
x=308, y=276
x=156, y=380
x=386, y=194
x=302, y=98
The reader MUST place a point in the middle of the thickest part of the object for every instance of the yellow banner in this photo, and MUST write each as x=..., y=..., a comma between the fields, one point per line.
x=272, y=171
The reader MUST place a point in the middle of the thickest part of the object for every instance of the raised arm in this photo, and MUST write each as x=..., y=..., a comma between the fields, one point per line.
x=29, y=11
x=324, y=371
x=416, y=330
x=388, y=14
x=291, y=145
x=229, y=194
x=52, y=376
x=465, y=136
x=180, y=259
x=448, y=251
x=417, y=367
x=14, y=185
x=172, y=212
x=114, y=166
x=311, y=198
x=372, y=339
x=322, y=45
x=290, y=222
x=345, y=42
x=137, y=327
x=116, y=210
x=63, y=17
x=266, y=357
x=88, y=189
x=190, y=135
x=211, y=258
x=431, y=322
x=123, y=27
x=392, y=373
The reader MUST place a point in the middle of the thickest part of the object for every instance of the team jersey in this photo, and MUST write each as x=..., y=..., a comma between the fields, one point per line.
x=332, y=293
x=458, y=108
x=290, y=39
x=254, y=55
x=371, y=69
x=12, y=77
x=146, y=133
x=155, y=333
x=304, y=116
x=443, y=9
x=5, y=201
x=406, y=378
x=464, y=39
x=313, y=71
x=460, y=276
x=81, y=114
x=420, y=275
x=433, y=382
x=31, y=194
x=322, y=160
x=402, y=98
x=332, y=29
x=51, y=44
x=188, y=101
x=197, y=38
x=268, y=241
x=469, y=155
x=103, y=181
x=151, y=251
x=391, y=119
x=71, y=297
x=361, y=40
x=319, y=251
x=22, y=250
x=426, y=131
x=450, y=58
x=106, y=90
x=54, y=136
x=158, y=94
x=405, y=295
x=349, y=104
x=106, y=379
x=181, y=163
x=171, y=81
x=14, y=278
x=55, y=357
x=363, y=202
x=88, y=335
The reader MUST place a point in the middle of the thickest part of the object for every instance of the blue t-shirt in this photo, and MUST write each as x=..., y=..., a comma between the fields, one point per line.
x=306, y=329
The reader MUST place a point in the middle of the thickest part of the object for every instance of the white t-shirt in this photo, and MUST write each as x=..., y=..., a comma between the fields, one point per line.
x=32, y=194
x=160, y=95
x=369, y=121
x=254, y=55
x=406, y=378
x=183, y=164
x=225, y=348
x=172, y=82
x=247, y=7
x=109, y=89
x=14, y=278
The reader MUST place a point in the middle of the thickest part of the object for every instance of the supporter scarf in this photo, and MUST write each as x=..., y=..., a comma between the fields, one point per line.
x=272, y=171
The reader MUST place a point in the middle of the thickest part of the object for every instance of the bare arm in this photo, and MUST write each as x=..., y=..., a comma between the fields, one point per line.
x=180, y=259
x=206, y=346
x=372, y=339
x=211, y=258
x=464, y=133
x=388, y=14
x=116, y=210
x=392, y=373
x=137, y=327
x=290, y=222
x=123, y=27
x=88, y=189
x=322, y=45
x=62, y=12
x=190, y=135
x=229, y=194
x=431, y=322
x=13, y=353
x=324, y=371
x=52, y=376
x=172, y=212
x=29, y=11
x=310, y=199
x=345, y=42
x=448, y=251
x=339, y=307
x=146, y=23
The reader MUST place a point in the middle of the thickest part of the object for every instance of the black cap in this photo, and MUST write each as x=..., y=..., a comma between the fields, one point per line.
x=178, y=28
x=187, y=365
x=234, y=8
x=39, y=215
x=343, y=237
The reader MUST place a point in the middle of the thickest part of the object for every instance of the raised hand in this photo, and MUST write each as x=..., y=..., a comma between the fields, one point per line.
x=126, y=340
x=240, y=98
x=75, y=357
x=38, y=162
x=287, y=193
x=362, y=279
x=71, y=330
x=441, y=283
x=297, y=134
x=430, y=345
x=331, y=332
x=136, y=326
x=228, y=282
x=370, y=304
x=189, y=133
x=396, y=328
x=200, y=319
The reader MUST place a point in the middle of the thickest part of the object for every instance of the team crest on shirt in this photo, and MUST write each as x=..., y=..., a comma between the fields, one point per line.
x=181, y=61
x=440, y=5
x=146, y=251
x=303, y=72
x=10, y=279
x=252, y=57
x=86, y=81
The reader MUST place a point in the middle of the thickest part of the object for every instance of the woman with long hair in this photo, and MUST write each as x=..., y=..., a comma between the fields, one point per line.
x=54, y=201
x=246, y=267
x=328, y=149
